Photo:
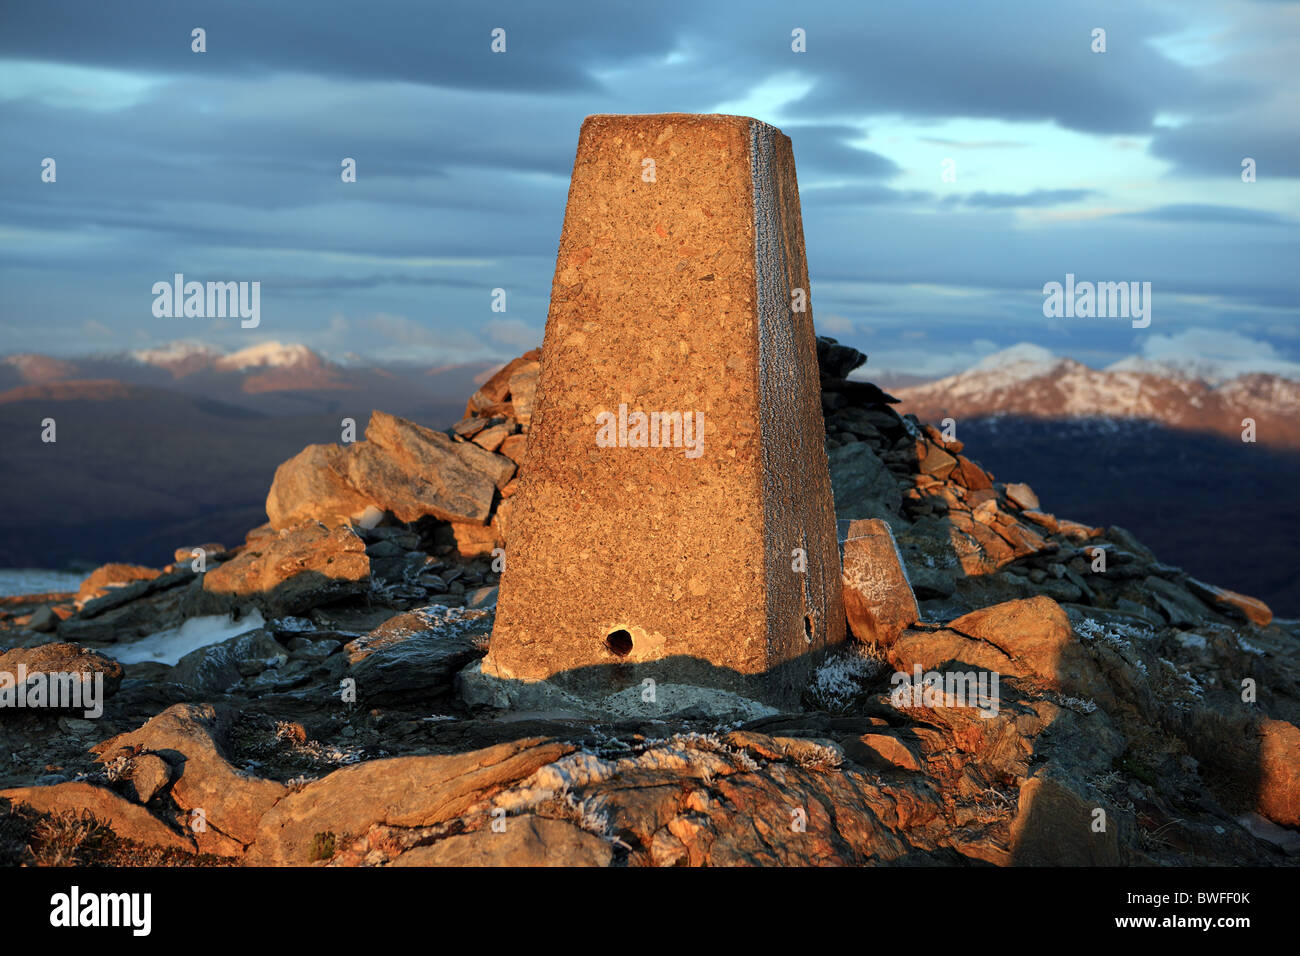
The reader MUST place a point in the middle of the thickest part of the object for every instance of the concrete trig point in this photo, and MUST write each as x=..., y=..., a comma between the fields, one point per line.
x=696, y=545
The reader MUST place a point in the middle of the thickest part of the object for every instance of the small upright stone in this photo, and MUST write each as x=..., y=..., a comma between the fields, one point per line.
x=877, y=596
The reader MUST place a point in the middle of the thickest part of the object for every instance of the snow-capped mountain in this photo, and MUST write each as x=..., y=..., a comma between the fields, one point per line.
x=270, y=355
x=270, y=378
x=1031, y=382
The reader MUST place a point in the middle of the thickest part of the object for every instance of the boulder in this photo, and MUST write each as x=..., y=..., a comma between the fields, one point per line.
x=1022, y=496
x=104, y=578
x=415, y=656
x=523, y=391
x=1054, y=826
x=300, y=568
x=1279, y=772
x=878, y=598
x=192, y=738
x=934, y=461
x=217, y=668
x=1029, y=638
x=413, y=472
x=836, y=360
x=313, y=485
x=60, y=659
x=490, y=399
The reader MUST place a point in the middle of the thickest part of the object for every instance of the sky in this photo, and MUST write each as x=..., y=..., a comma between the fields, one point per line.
x=953, y=158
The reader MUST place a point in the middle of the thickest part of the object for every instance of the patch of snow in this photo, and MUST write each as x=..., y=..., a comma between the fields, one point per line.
x=171, y=645
x=266, y=355
x=175, y=352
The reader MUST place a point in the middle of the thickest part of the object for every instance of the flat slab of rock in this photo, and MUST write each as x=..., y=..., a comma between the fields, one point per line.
x=191, y=739
x=293, y=571
x=402, y=791
x=128, y=820
x=526, y=841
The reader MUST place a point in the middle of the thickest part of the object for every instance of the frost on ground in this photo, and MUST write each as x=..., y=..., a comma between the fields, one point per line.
x=171, y=645
x=844, y=675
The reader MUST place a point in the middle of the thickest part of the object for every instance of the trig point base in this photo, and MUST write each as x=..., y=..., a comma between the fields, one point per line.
x=674, y=520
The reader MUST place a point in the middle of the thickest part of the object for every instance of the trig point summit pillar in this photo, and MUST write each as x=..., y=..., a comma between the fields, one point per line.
x=674, y=519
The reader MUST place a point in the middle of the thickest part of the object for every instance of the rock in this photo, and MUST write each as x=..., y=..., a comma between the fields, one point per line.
x=527, y=841
x=1024, y=638
x=192, y=738
x=491, y=438
x=863, y=487
x=50, y=660
x=490, y=399
x=1177, y=604
x=104, y=578
x=146, y=614
x=479, y=689
x=935, y=462
x=1231, y=603
x=836, y=360
x=415, y=656
x=414, y=472
x=883, y=750
x=128, y=820
x=210, y=549
x=878, y=598
x=300, y=568
x=1129, y=543
x=43, y=620
x=217, y=668
x=401, y=792
x=523, y=391
x=515, y=448
x=474, y=540
x=470, y=426
x=970, y=475
x=149, y=775
x=1054, y=827
x=116, y=597
x=483, y=597
x=1022, y=496
x=1278, y=789
x=314, y=485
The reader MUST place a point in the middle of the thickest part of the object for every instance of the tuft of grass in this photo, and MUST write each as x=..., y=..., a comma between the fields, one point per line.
x=70, y=838
x=322, y=846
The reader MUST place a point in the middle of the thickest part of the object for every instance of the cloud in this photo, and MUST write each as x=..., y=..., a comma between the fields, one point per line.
x=1034, y=199
x=514, y=332
x=1204, y=212
x=1217, y=353
x=834, y=325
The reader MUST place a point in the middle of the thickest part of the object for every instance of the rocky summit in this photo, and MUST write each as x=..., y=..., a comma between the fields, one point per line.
x=1020, y=689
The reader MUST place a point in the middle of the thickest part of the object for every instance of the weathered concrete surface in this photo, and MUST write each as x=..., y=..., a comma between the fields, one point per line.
x=674, y=295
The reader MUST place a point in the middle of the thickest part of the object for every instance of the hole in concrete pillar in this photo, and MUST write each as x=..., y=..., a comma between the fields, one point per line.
x=619, y=642
x=808, y=628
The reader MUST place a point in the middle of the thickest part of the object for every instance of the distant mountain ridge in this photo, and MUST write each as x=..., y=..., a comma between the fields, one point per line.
x=1028, y=381
x=272, y=378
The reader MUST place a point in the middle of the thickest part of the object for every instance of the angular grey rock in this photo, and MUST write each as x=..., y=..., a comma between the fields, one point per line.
x=863, y=487
x=215, y=669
